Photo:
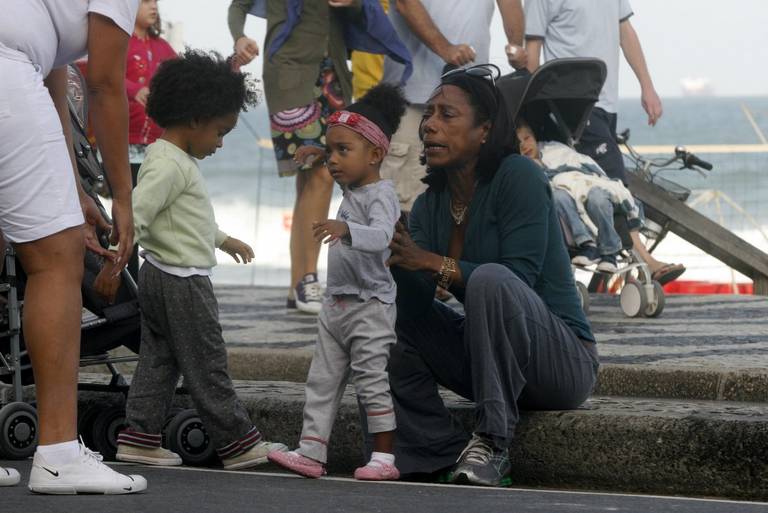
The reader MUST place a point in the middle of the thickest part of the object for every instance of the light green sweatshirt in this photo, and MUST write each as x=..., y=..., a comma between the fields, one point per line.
x=172, y=212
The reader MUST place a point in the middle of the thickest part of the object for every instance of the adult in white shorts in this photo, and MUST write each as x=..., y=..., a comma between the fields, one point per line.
x=43, y=207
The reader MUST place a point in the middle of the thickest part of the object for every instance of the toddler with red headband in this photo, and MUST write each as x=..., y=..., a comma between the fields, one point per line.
x=357, y=320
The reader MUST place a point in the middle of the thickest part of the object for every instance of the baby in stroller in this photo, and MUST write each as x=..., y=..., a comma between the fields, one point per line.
x=586, y=199
x=588, y=203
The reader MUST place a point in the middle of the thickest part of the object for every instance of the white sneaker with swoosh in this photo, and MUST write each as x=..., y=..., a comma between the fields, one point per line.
x=9, y=476
x=87, y=474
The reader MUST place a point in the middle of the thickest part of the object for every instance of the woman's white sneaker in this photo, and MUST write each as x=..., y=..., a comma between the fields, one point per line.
x=86, y=474
x=9, y=476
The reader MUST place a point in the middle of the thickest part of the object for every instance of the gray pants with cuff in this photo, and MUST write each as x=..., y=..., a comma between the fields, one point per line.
x=508, y=352
x=181, y=336
x=354, y=339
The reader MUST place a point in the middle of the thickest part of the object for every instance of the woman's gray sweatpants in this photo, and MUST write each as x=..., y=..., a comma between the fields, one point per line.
x=354, y=338
x=508, y=352
x=181, y=336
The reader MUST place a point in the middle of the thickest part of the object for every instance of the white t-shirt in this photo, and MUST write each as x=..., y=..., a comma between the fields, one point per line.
x=581, y=28
x=53, y=33
x=460, y=21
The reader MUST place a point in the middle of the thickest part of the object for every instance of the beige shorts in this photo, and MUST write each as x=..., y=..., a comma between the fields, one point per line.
x=401, y=164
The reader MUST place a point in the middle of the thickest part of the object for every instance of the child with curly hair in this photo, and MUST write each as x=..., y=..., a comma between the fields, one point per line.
x=357, y=318
x=196, y=100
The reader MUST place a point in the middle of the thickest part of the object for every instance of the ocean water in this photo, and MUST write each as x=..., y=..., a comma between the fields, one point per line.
x=254, y=204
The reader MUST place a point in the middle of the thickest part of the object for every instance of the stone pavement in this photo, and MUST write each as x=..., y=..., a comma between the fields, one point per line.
x=711, y=332
x=702, y=347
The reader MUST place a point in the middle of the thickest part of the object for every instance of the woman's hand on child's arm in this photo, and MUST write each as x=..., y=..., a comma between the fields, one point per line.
x=408, y=255
x=238, y=250
x=330, y=230
x=107, y=282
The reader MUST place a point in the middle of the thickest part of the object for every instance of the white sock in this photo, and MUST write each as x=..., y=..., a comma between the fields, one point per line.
x=61, y=453
x=377, y=458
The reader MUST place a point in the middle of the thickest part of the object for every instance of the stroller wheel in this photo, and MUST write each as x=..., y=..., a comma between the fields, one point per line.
x=633, y=299
x=656, y=303
x=18, y=430
x=187, y=437
x=583, y=296
x=85, y=420
x=106, y=427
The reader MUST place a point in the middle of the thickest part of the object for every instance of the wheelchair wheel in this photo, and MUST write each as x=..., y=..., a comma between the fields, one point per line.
x=656, y=303
x=583, y=296
x=187, y=437
x=633, y=299
x=106, y=427
x=18, y=430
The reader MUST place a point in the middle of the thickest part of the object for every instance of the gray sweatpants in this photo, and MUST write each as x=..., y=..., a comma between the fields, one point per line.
x=354, y=338
x=507, y=352
x=181, y=336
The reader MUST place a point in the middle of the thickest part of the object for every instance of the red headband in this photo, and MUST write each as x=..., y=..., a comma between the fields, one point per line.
x=362, y=125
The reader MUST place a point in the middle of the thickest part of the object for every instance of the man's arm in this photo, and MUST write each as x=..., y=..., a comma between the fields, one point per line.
x=533, y=50
x=633, y=52
x=513, y=18
x=246, y=49
x=421, y=23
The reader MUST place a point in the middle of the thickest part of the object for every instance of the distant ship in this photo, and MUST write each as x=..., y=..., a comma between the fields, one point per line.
x=697, y=86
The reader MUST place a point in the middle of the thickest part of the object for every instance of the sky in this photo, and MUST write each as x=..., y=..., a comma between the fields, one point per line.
x=725, y=42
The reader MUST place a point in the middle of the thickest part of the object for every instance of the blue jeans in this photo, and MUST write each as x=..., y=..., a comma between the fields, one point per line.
x=600, y=210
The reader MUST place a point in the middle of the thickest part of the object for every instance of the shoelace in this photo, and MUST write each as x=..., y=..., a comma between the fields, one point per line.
x=478, y=451
x=313, y=291
x=90, y=456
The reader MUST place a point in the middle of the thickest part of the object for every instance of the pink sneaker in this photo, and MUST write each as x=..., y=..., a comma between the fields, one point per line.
x=297, y=463
x=380, y=471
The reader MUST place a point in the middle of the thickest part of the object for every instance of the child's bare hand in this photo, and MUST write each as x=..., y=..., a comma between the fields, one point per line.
x=107, y=282
x=330, y=230
x=238, y=250
x=309, y=156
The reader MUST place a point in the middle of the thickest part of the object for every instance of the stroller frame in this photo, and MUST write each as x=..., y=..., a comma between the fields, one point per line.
x=556, y=101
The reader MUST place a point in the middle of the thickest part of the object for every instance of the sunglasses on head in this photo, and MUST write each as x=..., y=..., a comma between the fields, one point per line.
x=489, y=71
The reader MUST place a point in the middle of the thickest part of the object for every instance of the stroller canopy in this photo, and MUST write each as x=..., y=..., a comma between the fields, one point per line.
x=557, y=98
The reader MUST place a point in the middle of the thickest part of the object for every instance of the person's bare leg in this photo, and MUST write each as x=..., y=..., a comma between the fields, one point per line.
x=297, y=245
x=641, y=250
x=313, y=200
x=51, y=324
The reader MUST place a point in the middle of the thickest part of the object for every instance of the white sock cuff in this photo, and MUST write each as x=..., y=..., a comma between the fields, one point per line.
x=384, y=457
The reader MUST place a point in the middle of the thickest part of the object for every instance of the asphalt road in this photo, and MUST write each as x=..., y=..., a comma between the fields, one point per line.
x=188, y=490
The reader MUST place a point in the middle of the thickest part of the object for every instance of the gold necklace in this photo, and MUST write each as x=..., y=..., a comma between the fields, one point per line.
x=458, y=213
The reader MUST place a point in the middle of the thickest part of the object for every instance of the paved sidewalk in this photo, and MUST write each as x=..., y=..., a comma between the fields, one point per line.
x=715, y=332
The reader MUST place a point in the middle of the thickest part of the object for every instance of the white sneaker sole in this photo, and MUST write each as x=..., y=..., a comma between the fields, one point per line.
x=166, y=462
x=312, y=307
x=246, y=464
x=93, y=490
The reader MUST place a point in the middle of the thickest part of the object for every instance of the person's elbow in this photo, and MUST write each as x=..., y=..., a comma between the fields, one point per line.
x=627, y=33
x=402, y=6
x=105, y=83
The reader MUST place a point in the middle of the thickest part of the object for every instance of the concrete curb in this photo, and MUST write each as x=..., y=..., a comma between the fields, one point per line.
x=651, y=446
x=613, y=380
x=658, y=446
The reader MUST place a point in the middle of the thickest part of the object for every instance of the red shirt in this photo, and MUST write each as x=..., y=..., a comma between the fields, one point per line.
x=144, y=56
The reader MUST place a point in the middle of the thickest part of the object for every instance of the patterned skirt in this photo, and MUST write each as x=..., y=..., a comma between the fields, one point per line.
x=306, y=125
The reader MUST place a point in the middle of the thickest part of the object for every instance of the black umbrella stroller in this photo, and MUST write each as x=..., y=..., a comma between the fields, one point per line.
x=556, y=101
x=103, y=326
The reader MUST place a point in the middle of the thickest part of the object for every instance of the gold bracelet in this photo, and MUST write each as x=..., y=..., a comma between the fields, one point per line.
x=447, y=272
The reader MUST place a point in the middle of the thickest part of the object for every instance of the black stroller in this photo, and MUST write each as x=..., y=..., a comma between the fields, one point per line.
x=556, y=101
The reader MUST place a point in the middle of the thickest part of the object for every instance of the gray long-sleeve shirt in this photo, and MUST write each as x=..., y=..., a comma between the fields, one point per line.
x=357, y=265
